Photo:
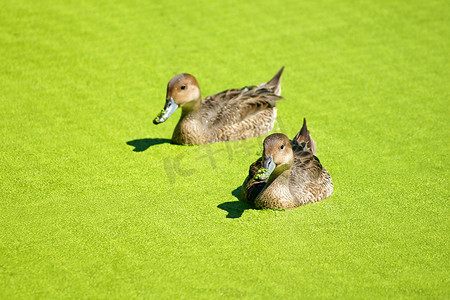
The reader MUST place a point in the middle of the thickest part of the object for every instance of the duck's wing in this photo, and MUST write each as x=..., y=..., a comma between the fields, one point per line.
x=306, y=164
x=235, y=105
x=252, y=187
x=309, y=181
x=254, y=167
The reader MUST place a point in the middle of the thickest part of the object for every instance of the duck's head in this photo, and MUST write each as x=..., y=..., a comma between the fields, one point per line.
x=278, y=155
x=182, y=91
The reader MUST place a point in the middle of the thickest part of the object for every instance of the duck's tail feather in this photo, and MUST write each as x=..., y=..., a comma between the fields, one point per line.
x=275, y=83
x=304, y=136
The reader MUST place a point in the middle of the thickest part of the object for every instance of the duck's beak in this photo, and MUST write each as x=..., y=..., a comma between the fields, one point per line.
x=169, y=108
x=266, y=170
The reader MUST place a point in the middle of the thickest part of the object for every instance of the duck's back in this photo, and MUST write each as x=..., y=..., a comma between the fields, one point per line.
x=239, y=114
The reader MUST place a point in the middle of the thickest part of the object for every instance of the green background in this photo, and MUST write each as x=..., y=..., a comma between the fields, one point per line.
x=95, y=203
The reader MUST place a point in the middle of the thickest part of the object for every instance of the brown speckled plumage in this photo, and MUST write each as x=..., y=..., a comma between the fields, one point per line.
x=234, y=114
x=299, y=177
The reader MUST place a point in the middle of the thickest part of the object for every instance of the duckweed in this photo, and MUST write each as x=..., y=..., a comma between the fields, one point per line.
x=159, y=116
x=262, y=174
x=83, y=215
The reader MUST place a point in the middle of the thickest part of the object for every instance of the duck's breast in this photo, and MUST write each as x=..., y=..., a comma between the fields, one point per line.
x=191, y=130
x=276, y=195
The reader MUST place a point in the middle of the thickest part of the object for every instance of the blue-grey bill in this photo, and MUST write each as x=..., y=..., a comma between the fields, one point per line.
x=267, y=169
x=169, y=108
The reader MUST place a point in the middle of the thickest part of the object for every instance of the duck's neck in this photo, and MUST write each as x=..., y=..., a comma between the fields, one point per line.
x=283, y=170
x=187, y=129
x=191, y=107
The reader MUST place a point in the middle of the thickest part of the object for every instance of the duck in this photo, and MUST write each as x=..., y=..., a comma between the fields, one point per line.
x=288, y=174
x=231, y=115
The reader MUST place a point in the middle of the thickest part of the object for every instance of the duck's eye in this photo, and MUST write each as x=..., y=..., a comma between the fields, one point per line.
x=282, y=147
x=183, y=87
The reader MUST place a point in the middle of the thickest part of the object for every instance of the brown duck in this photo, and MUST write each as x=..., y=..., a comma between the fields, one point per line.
x=288, y=174
x=231, y=115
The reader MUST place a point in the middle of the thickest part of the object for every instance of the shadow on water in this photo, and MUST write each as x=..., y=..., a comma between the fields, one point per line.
x=143, y=144
x=235, y=209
